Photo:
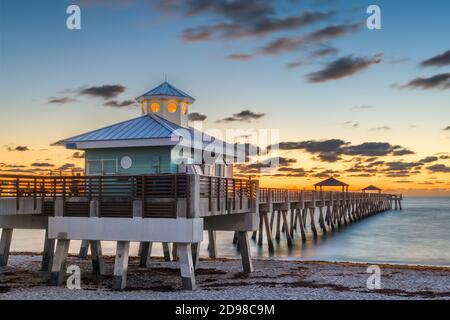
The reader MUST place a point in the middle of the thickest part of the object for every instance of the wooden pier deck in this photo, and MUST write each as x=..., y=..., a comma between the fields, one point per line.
x=167, y=208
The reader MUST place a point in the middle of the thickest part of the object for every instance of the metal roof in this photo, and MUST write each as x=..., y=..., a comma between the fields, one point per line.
x=331, y=182
x=145, y=127
x=149, y=126
x=371, y=188
x=166, y=90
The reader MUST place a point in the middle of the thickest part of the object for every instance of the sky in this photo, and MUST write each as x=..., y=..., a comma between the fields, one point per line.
x=365, y=106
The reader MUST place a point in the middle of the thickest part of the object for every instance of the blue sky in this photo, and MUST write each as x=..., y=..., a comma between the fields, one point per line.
x=135, y=43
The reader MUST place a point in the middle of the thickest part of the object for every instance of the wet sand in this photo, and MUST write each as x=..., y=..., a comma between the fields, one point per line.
x=223, y=279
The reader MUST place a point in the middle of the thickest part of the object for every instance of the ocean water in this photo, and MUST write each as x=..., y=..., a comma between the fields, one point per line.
x=419, y=234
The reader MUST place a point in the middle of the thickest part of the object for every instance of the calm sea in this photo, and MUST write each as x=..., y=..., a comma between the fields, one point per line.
x=420, y=234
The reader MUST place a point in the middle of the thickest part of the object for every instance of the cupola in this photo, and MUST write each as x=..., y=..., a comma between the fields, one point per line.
x=167, y=102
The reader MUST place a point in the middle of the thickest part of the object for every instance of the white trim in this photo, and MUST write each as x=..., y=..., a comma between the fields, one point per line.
x=127, y=229
x=124, y=143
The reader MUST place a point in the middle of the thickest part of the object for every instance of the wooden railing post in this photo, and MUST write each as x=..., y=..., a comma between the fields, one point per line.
x=210, y=193
x=35, y=194
x=234, y=194
x=64, y=194
x=17, y=193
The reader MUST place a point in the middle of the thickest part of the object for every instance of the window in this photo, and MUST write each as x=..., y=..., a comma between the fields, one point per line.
x=94, y=167
x=172, y=107
x=102, y=167
x=109, y=167
x=155, y=107
x=144, y=107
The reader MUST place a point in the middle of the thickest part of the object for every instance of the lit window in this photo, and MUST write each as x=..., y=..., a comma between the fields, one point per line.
x=184, y=107
x=155, y=107
x=172, y=107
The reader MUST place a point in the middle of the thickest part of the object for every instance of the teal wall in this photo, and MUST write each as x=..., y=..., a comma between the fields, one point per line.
x=143, y=159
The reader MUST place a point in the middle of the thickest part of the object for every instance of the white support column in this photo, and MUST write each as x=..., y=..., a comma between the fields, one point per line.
x=268, y=231
x=84, y=248
x=286, y=228
x=277, y=234
x=244, y=246
x=313, y=223
x=121, y=265
x=5, y=245
x=145, y=253
x=212, y=245
x=48, y=253
x=186, y=266
x=59, y=262
x=166, y=250
x=195, y=247
x=174, y=251
x=98, y=265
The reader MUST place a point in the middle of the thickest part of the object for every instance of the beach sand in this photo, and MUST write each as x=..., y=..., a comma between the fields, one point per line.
x=223, y=279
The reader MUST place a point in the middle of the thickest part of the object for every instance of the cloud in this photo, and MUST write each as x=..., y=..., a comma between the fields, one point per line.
x=326, y=51
x=291, y=172
x=352, y=124
x=439, y=168
x=375, y=149
x=244, y=10
x=240, y=56
x=238, y=19
x=341, y=68
x=326, y=174
x=42, y=164
x=447, y=128
x=252, y=28
x=195, y=116
x=5, y=165
x=439, y=60
x=19, y=148
x=61, y=100
x=78, y=155
x=294, y=64
x=429, y=159
x=67, y=166
x=120, y=104
x=105, y=91
x=402, y=166
x=439, y=81
x=331, y=150
x=288, y=44
x=382, y=128
x=402, y=152
x=313, y=146
x=243, y=116
x=362, y=107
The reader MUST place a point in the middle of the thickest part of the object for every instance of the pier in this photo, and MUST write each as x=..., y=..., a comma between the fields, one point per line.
x=171, y=209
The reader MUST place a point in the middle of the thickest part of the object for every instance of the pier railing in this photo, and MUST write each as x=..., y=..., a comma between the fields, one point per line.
x=278, y=195
x=162, y=195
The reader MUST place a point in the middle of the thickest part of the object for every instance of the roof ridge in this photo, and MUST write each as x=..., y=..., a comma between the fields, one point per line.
x=166, y=89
